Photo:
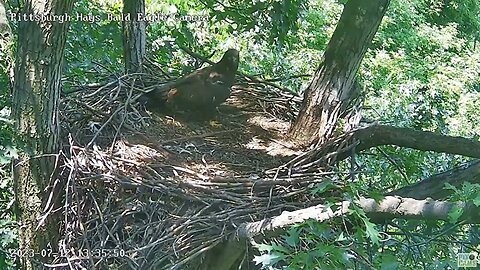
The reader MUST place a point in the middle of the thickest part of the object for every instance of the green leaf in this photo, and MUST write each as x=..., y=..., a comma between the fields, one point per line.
x=372, y=233
x=389, y=262
x=322, y=187
x=476, y=200
x=279, y=248
x=449, y=186
x=455, y=214
x=293, y=237
x=262, y=247
x=341, y=237
x=267, y=259
x=3, y=261
x=377, y=196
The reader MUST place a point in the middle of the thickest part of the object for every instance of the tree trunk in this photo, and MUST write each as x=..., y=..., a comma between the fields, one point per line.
x=133, y=35
x=333, y=84
x=36, y=93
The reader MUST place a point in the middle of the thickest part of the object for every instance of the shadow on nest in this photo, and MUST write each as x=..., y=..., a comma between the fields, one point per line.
x=157, y=191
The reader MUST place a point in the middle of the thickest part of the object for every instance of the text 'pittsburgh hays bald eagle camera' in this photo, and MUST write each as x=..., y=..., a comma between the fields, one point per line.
x=200, y=91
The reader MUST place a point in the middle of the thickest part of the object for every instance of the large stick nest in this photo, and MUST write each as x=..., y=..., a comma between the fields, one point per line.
x=149, y=191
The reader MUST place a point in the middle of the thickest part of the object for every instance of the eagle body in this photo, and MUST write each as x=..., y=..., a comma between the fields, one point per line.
x=202, y=90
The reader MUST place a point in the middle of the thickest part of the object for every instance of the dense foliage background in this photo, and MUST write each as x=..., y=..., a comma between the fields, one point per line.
x=7, y=152
x=422, y=72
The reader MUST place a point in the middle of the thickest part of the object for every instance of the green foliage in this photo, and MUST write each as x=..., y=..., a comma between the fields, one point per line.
x=271, y=20
x=422, y=71
x=417, y=72
x=7, y=152
x=353, y=243
x=7, y=226
x=468, y=193
x=464, y=13
x=93, y=45
x=270, y=48
x=307, y=246
x=8, y=240
x=421, y=74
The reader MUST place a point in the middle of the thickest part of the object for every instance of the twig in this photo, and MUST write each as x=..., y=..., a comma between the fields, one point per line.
x=209, y=134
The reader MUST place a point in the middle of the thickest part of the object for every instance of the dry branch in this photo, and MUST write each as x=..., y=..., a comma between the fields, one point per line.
x=434, y=186
x=120, y=194
x=341, y=147
x=421, y=140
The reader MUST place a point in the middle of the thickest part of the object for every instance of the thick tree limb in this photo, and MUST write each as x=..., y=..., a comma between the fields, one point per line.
x=433, y=186
x=421, y=140
x=389, y=207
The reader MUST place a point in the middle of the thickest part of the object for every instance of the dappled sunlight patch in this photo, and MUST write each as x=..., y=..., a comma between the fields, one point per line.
x=148, y=182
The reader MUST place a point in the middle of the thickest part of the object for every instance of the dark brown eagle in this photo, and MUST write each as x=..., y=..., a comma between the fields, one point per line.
x=200, y=91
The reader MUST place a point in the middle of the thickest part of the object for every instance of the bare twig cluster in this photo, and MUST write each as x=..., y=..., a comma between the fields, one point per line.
x=319, y=159
x=270, y=98
x=126, y=206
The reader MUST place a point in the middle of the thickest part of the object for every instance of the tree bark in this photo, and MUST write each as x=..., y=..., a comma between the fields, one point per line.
x=333, y=83
x=434, y=186
x=388, y=208
x=36, y=93
x=134, y=35
x=421, y=140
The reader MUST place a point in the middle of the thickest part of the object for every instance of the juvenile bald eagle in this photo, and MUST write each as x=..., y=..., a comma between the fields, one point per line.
x=200, y=91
